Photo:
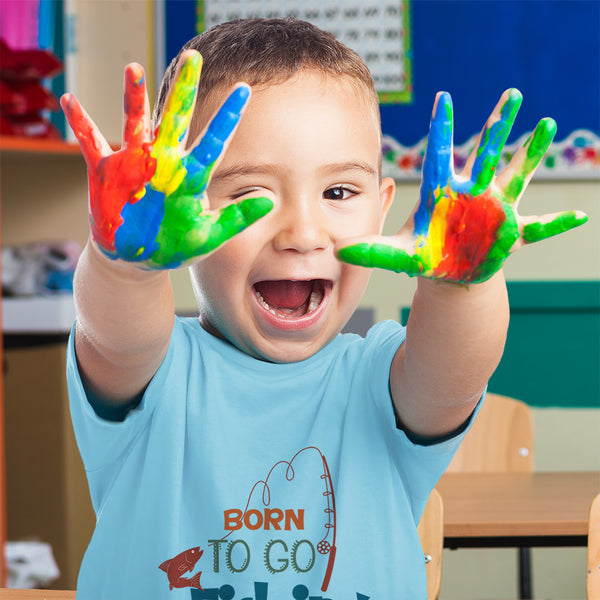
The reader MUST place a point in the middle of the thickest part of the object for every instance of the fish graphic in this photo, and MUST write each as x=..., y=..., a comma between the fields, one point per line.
x=180, y=564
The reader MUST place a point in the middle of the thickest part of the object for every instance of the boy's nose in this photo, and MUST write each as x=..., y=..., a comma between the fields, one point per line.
x=302, y=228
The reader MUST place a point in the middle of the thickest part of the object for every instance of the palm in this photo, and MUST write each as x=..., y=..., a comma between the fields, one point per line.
x=147, y=199
x=465, y=226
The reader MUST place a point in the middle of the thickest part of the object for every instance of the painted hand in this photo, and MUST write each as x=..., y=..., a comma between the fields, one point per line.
x=147, y=200
x=465, y=226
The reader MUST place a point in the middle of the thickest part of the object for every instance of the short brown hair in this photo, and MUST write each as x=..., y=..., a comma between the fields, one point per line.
x=261, y=51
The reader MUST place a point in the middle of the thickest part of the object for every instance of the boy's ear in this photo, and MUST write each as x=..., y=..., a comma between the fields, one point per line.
x=387, y=189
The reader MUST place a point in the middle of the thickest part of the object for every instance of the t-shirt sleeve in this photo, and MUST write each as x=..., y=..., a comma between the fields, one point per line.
x=420, y=464
x=103, y=443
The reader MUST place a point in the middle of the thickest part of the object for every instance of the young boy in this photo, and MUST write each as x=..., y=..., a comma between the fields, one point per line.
x=255, y=452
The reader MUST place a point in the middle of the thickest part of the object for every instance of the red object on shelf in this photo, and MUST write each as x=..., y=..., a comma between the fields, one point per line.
x=22, y=97
x=28, y=64
x=31, y=125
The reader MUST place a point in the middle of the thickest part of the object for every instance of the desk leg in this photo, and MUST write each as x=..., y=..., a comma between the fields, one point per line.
x=525, y=584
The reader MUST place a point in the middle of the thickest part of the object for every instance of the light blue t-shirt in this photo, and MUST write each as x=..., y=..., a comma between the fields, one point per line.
x=255, y=480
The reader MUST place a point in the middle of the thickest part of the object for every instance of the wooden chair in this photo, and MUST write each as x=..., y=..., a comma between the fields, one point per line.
x=500, y=440
x=431, y=534
x=593, y=557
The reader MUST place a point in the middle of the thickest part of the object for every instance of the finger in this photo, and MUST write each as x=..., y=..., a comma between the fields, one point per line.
x=484, y=159
x=174, y=124
x=136, y=107
x=180, y=103
x=92, y=143
x=382, y=256
x=514, y=179
x=203, y=158
x=437, y=166
x=234, y=218
x=541, y=228
x=438, y=155
x=181, y=240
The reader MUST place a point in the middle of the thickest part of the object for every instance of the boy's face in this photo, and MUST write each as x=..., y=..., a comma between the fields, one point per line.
x=311, y=145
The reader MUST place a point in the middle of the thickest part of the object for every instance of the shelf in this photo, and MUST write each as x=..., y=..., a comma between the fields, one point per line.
x=21, y=145
x=37, y=146
x=47, y=314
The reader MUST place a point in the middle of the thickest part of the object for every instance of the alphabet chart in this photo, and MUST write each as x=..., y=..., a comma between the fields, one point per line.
x=377, y=30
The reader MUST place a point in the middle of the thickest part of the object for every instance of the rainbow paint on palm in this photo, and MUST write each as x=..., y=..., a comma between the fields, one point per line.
x=146, y=199
x=465, y=227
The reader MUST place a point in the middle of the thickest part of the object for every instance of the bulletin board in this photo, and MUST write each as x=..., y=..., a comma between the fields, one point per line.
x=548, y=49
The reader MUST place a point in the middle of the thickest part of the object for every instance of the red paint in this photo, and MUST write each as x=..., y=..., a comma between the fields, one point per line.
x=119, y=178
x=472, y=226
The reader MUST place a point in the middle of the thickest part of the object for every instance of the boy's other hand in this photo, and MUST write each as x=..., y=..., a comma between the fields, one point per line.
x=147, y=200
x=465, y=226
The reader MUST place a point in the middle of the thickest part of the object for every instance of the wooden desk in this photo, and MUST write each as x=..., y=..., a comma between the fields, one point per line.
x=517, y=509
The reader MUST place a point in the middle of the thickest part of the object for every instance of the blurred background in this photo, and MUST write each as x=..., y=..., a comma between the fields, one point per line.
x=474, y=49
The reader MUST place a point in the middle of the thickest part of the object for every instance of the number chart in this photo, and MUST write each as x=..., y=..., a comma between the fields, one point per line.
x=377, y=30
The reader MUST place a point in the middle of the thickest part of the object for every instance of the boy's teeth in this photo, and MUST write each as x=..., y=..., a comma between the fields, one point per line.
x=316, y=297
x=315, y=300
x=264, y=303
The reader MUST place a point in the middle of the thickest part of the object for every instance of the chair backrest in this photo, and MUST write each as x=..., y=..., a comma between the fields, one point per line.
x=593, y=558
x=500, y=439
x=431, y=534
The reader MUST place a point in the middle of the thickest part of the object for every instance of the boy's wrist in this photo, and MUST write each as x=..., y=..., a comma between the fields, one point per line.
x=443, y=287
x=120, y=268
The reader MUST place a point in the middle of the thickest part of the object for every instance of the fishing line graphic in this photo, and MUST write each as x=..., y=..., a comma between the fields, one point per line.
x=326, y=546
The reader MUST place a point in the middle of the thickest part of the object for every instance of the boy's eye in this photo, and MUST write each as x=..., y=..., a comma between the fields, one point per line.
x=256, y=191
x=338, y=193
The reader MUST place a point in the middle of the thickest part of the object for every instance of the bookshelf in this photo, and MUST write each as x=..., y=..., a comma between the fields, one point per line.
x=43, y=196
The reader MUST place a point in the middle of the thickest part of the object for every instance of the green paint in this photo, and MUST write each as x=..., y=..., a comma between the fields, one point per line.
x=535, y=147
x=449, y=113
x=186, y=233
x=382, y=256
x=535, y=232
x=515, y=187
x=507, y=235
x=542, y=138
x=492, y=142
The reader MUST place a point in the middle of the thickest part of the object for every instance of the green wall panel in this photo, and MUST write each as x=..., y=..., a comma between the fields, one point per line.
x=552, y=354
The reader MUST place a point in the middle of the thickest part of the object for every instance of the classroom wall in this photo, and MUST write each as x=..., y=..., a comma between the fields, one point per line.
x=564, y=439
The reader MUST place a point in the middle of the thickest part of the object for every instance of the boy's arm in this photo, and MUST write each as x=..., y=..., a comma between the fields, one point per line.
x=454, y=341
x=148, y=214
x=462, y=230
x=124, y=320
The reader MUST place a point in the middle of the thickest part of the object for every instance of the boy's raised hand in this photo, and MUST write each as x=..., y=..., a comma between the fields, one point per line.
x=465, y=226
x=147, y=200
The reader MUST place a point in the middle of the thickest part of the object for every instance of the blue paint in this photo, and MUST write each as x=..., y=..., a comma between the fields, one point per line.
x=437, y=169
x=135, y=239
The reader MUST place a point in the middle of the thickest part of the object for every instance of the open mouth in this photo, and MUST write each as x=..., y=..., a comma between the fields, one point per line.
x=291, y=299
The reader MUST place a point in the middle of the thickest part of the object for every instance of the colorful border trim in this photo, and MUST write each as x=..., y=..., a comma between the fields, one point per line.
x=575, y=157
